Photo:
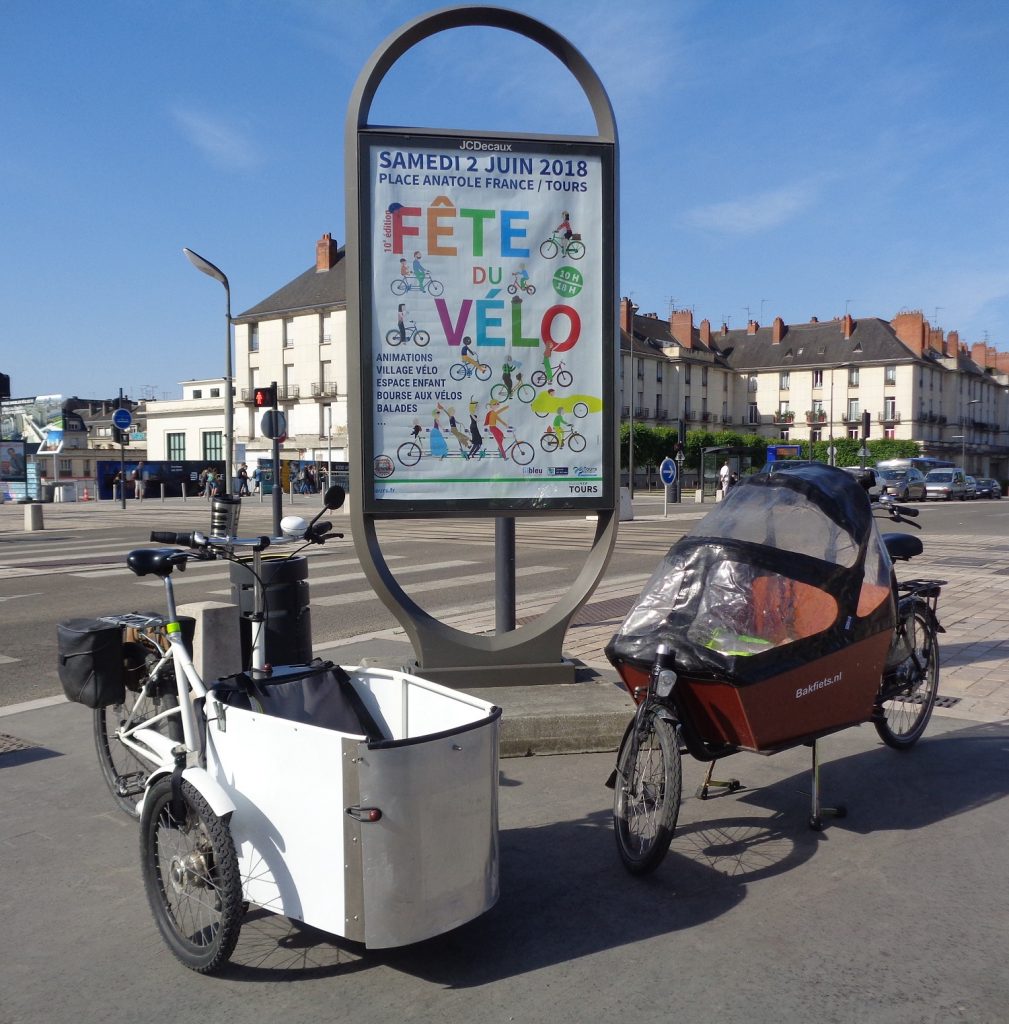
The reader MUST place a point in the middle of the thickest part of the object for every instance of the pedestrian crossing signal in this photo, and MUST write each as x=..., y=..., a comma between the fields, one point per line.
x=265, y=397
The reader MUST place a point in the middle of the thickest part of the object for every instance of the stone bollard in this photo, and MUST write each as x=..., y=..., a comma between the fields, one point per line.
x=33, y=518
x=217, y=646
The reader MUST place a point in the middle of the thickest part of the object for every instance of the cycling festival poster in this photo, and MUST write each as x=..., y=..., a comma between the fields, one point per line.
x=487, y=320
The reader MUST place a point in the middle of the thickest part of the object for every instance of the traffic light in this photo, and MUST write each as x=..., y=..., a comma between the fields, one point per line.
x=120, y=436
x=866, y=418
x=265, y=396
x=681, y=431
x=5, y=386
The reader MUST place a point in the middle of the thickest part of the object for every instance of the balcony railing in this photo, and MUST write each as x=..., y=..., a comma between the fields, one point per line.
x=285, y=393
x=662, y=414
x=641, y=412
x=889, y=416
x=814, y=416
x=784, y=417
x=325, y=389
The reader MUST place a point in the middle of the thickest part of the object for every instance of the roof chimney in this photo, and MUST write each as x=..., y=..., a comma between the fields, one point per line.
x=752, y=327
x=952, y=343
x=910, y=328
x=814, y=320
x=681, y=326
x=325, y=253
x=627, y=309
x=777, y=330
x=848, y=326
x=706, y=333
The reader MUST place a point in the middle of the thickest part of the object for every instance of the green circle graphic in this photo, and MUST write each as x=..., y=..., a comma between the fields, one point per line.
x=568, y=282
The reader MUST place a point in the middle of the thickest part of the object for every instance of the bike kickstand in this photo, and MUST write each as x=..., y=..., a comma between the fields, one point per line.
x=729, y=785
x=816, y=812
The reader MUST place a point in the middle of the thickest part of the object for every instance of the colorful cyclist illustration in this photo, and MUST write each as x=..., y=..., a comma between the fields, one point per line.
x=512, y=387
x=476, y=438
x=406, y=330
x=520, y=282
x=416, y=277
x=470, y=365
x=563, y=241
x=555, y=436
x=453, y=426
x=493, y=422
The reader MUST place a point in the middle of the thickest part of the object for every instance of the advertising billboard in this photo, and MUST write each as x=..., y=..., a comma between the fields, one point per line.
x=13, y=463
x=488, y=312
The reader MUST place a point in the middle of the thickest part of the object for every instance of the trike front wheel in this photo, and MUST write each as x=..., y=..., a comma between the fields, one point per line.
x=909, y=688
x=646, y=799
x=191, y=875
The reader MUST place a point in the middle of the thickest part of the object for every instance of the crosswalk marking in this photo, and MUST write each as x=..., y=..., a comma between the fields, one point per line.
x=456, y=581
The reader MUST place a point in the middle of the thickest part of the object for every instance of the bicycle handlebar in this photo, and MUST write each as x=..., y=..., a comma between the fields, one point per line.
x=186, y=540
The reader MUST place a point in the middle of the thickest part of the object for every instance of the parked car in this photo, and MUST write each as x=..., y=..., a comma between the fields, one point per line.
x=946, y=484
x=988, y=488
x=971, y=492
x=904, y=484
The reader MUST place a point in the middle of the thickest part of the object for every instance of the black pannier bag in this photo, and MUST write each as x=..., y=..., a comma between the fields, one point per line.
x=91, y=662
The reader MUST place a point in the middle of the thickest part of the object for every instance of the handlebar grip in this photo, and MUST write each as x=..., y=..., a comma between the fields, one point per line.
x=911, y=513
x=186, y=540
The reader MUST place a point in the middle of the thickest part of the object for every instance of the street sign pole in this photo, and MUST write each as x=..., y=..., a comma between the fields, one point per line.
x=276, y=494
x=122, y=460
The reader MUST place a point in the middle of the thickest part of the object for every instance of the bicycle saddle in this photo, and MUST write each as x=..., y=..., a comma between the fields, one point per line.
x=156, y=561
x=902, y=545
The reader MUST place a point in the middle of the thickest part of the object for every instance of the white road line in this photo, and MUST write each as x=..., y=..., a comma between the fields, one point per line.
x=454, y=582
x=357, y=576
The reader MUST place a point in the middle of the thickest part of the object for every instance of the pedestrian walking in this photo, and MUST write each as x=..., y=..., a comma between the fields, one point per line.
x=243, y=480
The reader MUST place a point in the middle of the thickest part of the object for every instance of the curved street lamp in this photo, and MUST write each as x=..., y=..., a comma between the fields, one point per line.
x=208, y=268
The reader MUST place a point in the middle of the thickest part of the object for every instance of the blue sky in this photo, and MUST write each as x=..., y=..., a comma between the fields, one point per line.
x=787, y=158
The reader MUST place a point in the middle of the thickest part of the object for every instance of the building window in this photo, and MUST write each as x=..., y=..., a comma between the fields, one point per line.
x=818, y=378
x=890, y=375
x=816, y=434
x=326, y=328
x=889, y=409
x=215, y=392
x=87, y=467
x=213, y=446
x=175, y=446
x=289, y=333
x=853, y=413
x=889, y=433
x=753, y=414
x=253, y=337
x=66, y=468
x=783, y=380
x=197, y=392
x=783, y=435
x=854, y=432
x=751, y=384
x=852, y=376
x=704, y=376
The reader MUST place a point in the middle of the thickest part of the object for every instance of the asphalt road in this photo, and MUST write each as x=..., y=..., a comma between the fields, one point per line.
x=893, y=915
x=76, y=567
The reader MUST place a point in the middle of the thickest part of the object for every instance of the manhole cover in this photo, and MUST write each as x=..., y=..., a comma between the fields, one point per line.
x=11, y=744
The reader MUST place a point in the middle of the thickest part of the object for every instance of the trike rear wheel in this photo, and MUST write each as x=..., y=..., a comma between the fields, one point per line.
x=191, y=875
x=646, y=799
x=910, y=687
x=125, y=772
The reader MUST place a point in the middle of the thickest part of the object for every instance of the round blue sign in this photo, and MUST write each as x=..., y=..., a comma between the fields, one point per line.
x=122, y=419
x=667, y=472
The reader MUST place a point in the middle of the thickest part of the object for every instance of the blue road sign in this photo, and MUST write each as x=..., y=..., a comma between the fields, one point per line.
x=122, y=419
x=667, y=472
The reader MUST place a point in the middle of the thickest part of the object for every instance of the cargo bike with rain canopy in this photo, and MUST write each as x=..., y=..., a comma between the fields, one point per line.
x=777, y=620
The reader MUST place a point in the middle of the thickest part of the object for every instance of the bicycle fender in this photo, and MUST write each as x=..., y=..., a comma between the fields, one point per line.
x=204, y=783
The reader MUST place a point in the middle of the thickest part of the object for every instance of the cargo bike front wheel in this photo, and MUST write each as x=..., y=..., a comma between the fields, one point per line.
x=647, y=792
x=190, y=870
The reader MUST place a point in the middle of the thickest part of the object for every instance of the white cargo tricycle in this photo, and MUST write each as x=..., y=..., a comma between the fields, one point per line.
x=361, y=801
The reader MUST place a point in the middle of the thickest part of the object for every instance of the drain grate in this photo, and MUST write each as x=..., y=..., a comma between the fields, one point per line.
x=11, y=744
x=940, y=701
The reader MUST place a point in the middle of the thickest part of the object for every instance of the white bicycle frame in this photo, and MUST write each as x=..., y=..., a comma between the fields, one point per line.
x=145, y=740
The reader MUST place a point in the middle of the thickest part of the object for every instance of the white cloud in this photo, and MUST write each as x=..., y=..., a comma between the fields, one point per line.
x=223, y=144
x=755, y=213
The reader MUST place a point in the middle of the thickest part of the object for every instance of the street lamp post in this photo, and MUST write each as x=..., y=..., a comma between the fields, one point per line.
x=963, y=437
x=208, y=268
